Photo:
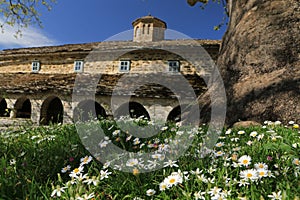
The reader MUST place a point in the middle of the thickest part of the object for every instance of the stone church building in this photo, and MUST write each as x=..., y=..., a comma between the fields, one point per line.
x=37, y=83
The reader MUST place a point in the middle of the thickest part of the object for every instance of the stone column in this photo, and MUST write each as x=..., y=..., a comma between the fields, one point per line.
x=36, y=106
x=11, y=106
x=158, y=112
x=68, y=112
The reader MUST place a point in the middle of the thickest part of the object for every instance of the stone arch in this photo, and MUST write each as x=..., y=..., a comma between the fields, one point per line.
x=3, y=108
x=175, y=114
x=89, y=109
x=23, y=108
x=136, y=110
x=52, y=111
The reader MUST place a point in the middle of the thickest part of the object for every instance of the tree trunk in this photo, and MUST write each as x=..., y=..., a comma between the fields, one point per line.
x=260, y=60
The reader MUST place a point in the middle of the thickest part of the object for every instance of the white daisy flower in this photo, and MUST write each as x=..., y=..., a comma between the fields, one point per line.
x=104, y=143
x=260, y=166
x=136, y=141
x=249, y=174
x=253, y=134
x=92, y=180
x=86, y=196
x=219, y=144
x=150, y=192
x=243, y=182
x=104, y=174
x=228, y=132
x=116, y=132
x=170, y=163
x=275, y=196
x=261, y=136
x=291, y=122
x=262, y=173
x=76, y=172
x=214, y=191
x=152, y=163
x=219, y=153
x=65, y=169
x=163, y=186
x=199, y=195
x=244, y=160
x=173, y=180
x=132, y=162
x=57, y=192
x=241, y=132
x=86, y=160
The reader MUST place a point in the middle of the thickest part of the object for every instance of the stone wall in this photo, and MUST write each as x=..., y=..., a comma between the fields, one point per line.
x=60, y=59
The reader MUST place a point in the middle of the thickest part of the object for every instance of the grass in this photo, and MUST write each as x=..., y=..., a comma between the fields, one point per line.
x=250, y=163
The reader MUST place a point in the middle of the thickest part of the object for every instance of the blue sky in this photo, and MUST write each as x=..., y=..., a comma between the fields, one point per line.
x=82, y=21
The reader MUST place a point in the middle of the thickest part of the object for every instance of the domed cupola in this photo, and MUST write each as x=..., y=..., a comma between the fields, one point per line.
x=148, y=29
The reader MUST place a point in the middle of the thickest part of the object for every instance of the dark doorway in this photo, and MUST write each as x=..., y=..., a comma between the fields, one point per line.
x=175, y=114
x=133, y=109
x=52, y=111
x=89, y=110
x=4, y=112
x=23, y=108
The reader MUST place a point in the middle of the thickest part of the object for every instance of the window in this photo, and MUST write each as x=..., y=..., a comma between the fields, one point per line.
x=35, y=66
x=174, y=66
x=124, y=66
x=78, y=66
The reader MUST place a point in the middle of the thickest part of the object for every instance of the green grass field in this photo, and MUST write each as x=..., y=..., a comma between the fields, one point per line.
x=251, y=163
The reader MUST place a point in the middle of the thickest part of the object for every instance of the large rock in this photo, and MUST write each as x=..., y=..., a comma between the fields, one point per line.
x=260, y=60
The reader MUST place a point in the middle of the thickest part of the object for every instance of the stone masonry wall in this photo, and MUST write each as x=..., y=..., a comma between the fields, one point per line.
x=60, y=59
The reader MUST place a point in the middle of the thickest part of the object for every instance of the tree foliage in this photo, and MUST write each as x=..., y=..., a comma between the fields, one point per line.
x=205, y=2
x=22, y=13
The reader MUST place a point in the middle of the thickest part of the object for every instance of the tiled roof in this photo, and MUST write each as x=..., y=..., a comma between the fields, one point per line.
x=31, y=83
x=105, y=46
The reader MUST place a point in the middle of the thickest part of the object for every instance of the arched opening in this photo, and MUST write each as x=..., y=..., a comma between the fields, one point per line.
x=23, y=108
x=4, y=112
x=144, y=29
x=137, y=31
x=175, y=114
x=133, y=109
x=87, y=110
x=52, y=111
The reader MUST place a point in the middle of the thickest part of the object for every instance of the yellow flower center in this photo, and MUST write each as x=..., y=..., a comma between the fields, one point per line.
x=76, y=170
x=249, y=175
x=245, y=162
x=261, y=173
x=172, y=180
